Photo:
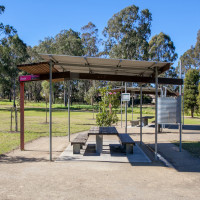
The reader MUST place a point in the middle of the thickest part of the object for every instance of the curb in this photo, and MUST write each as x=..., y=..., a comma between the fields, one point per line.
x=161, y=158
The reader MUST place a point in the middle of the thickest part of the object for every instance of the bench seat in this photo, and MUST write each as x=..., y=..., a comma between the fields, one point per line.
x=77, y=143
x=127, y=142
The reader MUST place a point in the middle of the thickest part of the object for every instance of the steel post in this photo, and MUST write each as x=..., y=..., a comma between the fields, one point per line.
x=132, y=106
x=156, y=113
x=140, y=114
x=69, y=93
x=50, y=109
x=121, y=107
x=180, y=124
x=125, y=110
x=22, y=115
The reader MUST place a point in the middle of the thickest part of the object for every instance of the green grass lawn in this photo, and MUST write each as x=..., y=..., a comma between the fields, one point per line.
x=35, y=125
x=192, y=146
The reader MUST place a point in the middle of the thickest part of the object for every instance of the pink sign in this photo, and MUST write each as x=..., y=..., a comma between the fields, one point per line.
x=29, y=78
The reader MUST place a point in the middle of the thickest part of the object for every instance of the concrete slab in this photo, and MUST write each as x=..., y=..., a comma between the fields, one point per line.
x=111, y=152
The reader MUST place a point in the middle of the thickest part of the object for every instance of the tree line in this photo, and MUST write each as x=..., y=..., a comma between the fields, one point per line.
x=127, y=35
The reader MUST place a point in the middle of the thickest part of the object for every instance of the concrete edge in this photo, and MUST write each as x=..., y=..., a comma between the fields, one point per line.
x=161, y=158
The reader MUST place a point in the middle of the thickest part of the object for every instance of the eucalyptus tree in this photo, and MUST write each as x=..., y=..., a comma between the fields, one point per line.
x=45, y=94
x=90, y=39
x=46, y=46
x=13, y=52
x=6, y=30
x=191, y=58
x=188, y=60
x=127, y=34
x=162, y=48
x=68, y=42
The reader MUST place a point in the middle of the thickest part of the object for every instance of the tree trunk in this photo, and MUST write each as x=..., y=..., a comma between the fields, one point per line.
x=192, y=112
x=10, y=96
x=11, y=116
x=46, y=111
x=14, y=104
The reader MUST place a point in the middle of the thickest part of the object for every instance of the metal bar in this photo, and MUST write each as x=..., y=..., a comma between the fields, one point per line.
x=50, y=109
x=121, y=106
x=132, y=107
x=180, y=124
x=22, y=116
x=183, y=109
x=140, y=114
x=125, y=110
x=69, y=93
x=156, y=113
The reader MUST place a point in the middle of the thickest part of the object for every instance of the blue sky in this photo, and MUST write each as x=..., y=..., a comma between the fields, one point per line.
x=37, y=19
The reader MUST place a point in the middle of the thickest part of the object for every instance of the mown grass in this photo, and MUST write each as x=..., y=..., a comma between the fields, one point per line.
x=35, y=126
x=191, y=146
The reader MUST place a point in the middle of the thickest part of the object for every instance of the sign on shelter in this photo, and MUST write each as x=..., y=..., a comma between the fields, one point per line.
x=125, y=96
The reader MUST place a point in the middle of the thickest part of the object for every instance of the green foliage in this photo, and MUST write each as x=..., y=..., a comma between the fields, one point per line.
x=13, y=52
x=6, y=30
x=107, y=108
x=191, y=90
x=90, y=40
x=161, y=48
x=45, y=90
x=91, y=95
x=127, y=32
x=191, y=58
x=198, y=98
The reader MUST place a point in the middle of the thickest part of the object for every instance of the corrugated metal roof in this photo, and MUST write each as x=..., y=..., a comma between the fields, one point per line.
x=36, y=68
x=80, y=64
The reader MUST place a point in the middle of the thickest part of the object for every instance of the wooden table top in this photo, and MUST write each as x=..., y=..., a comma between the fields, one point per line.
x=95, y=130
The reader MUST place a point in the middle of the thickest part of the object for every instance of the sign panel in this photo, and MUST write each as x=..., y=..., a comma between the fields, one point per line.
x=168, y=110
x=125, y=96
x=29, y=78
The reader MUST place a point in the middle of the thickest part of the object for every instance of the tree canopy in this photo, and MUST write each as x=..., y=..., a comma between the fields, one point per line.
x=127, y=33
x=191, y=90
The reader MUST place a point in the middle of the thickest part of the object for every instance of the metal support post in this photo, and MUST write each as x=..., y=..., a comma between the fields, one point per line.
x=132, y=106
x=121, y=107
x=69, y=93
x=156, y=113
x=140, y=114
x=125, y=110
x=180, y=124
x=22, y=116
x=50, y=109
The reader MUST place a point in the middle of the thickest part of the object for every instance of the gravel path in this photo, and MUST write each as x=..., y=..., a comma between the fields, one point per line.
x=29, y=174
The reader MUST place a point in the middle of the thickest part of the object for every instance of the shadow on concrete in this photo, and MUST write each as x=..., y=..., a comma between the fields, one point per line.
x=181, y=161
x=175, y=126
x=4, y=159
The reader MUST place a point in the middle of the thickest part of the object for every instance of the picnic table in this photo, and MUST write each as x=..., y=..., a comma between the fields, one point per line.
x=99, y=132
x=125, y=140
x=145, y=119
